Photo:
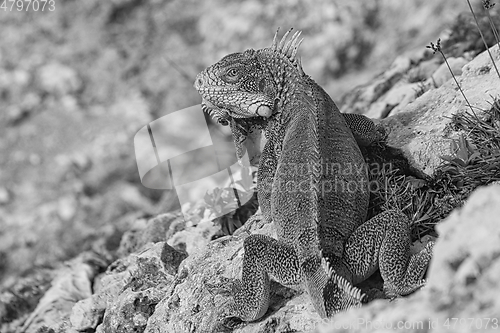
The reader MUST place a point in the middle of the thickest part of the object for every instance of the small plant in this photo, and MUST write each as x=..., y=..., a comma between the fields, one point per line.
x=415, y=75
x=474, y=161
x=421, y=89
x=485, y=132
x=487, y=4
x=437, y=48
x=224, y=204
x=394, y=188
x=464, y=153
x=482, y=36
x=475, y=156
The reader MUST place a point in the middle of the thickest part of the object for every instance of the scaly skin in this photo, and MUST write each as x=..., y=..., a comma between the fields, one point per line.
x=312, y=183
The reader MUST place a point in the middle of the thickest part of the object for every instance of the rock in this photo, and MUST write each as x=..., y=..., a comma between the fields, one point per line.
x=127, y=293
x=72, y=284
x=395, y=99
x=481, y=64
x=158, y=227
x=360, y=98
x=419, y=245
x=462, y=279
x=424, y=69
x=131, y=310
x=395, y=90
x=154, y=230
x=190, y=307
x=462, y=257
x=22, y=297
x=83, y=315
x=172, y=258
x=419, y=129
x=463, y=267
x=100, y=329
x=442, y=74
x=194, y=238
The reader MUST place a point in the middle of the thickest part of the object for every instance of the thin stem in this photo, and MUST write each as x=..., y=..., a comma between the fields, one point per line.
x=482, y=37
x=493, y=28
x=184, y=75
x=458, y=85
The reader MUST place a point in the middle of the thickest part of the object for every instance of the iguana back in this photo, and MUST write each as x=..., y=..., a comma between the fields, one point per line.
x=322, y=167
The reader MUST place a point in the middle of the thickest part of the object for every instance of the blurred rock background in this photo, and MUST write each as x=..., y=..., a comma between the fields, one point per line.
x=78, y=82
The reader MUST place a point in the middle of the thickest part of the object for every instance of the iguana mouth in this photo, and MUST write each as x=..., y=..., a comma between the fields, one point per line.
x=216, y=90
x=222, y=115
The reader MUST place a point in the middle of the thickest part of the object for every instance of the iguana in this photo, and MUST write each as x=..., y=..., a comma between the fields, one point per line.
x=312, y=183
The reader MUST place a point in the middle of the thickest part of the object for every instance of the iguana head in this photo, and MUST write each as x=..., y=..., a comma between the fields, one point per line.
x=249, y=83
x=244, y=89
x=237, y=86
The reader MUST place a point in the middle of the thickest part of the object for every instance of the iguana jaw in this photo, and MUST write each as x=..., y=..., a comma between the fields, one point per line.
x=222, y=115
x=254, y=105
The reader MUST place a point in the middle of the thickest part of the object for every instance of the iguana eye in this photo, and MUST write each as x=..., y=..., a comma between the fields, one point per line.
x=231, y=75
x=232, y=72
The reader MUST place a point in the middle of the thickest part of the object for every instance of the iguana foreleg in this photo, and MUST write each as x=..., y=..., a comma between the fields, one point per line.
x=264, y=256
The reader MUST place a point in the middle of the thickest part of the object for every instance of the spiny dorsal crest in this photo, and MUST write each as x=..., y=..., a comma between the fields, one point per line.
x=353, y=292
x=289, y=48
x=326, y=266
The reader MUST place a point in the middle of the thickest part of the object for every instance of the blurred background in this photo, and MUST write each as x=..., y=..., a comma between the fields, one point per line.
x=77, y=83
